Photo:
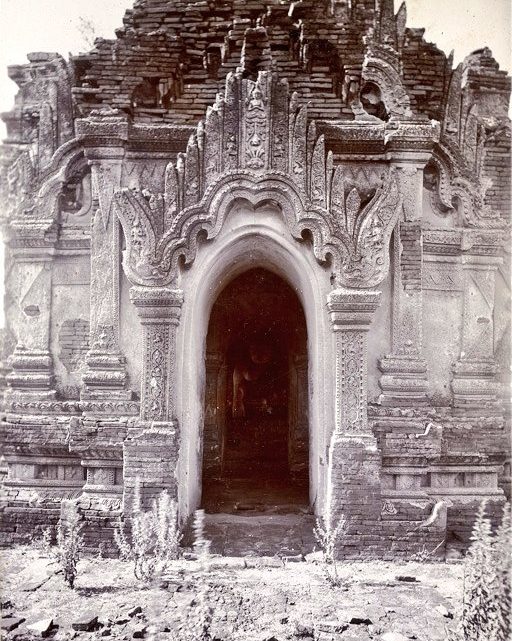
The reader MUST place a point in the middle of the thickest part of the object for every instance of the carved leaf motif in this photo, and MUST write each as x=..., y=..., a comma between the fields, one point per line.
x=352, y=207
x=140, y=213
x=318, y=172
x=329, y=164
x=337, y=208
x=191, y=176
x=298, y=159
x=106, y=179
x=171, y=195
x=212, y=144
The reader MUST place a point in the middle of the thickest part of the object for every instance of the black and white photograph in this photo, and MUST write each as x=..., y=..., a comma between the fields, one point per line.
x=255, y=301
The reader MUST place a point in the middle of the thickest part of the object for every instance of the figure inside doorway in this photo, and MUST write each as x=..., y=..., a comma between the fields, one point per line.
x=257, y=384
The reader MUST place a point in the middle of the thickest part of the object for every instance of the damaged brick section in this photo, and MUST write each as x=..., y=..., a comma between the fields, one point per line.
x=324, y=142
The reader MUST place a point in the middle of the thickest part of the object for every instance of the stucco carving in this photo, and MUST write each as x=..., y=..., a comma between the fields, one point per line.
x=354, y=235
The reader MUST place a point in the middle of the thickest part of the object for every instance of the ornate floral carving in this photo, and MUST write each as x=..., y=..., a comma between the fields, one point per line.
x=365, y=228
x=350, y=229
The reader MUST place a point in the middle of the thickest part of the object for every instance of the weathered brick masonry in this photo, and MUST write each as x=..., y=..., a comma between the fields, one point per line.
x=325, y=141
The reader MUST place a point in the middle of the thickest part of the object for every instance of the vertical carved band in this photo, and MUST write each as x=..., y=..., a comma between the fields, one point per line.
x=159, y=309
x=474, y=381
x=351, y=314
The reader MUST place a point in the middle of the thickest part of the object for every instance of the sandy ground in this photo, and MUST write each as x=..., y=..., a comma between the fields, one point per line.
x=235, y=599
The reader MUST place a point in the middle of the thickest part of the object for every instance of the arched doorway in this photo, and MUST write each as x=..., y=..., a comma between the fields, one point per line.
x=255, y=439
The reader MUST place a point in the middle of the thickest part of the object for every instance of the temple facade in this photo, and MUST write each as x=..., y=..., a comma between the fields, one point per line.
x=260, y=240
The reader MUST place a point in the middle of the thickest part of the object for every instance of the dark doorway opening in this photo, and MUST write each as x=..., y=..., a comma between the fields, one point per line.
x=255, y=440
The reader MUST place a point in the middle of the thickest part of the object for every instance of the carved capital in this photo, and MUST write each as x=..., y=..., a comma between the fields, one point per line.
x=160, y=304
x=352, y=309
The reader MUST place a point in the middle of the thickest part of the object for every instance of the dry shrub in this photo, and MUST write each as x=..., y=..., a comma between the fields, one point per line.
x=155, y=537
x=327, y=535
x=487, y=579
x=69, y=540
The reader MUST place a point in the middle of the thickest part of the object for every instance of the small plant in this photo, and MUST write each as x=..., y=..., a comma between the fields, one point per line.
x=44, y=540
x=201, y=617
x=155, y=536
x=327, y=537
x=487, y=578
x=69, y=540
x=201, y=543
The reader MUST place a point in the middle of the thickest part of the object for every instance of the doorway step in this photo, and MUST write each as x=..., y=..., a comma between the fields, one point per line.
x=261, y=534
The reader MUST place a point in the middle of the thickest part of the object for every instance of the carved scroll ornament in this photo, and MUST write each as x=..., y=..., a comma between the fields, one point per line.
x=456, y=188
x=255, y=146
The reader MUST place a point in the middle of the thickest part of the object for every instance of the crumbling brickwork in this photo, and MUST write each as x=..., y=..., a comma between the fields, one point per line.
x=324, y=141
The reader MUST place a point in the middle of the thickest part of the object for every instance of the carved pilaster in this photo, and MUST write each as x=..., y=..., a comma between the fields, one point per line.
x=351, y=313
x=474, y=382
x=159, y=310
x=105, y=376
x=404, y=370
x=353, y=485
x=28, y=288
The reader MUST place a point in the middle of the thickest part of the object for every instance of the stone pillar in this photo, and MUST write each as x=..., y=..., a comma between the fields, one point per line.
x=404, y=371
x=151, y=448
x=354, y=461
x=105, y=377
x=474, y=382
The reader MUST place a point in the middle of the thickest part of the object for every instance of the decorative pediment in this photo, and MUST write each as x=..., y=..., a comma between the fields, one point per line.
x=453, y=186
x=256, y=145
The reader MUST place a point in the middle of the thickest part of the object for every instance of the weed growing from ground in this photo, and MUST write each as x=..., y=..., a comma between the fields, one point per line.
x=487, y=578
x=69, y=541
x=201, y=543
x=44, y=540
x=327, y=537
x=155, y=537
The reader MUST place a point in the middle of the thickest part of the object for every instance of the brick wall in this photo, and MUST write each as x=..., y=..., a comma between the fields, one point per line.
x=73, y=342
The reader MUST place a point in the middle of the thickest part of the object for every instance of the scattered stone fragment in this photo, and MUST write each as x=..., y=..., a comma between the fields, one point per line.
x=134, y=611
x=32, y=586
x=443, y=611
x=360, y=620
x=407, y=578
x=11, y=623
x=42, y=627
x=331, y=626
x=86, y=622
x=393, y=636
x=140, y=632
x=183, y=600
x=304, y=630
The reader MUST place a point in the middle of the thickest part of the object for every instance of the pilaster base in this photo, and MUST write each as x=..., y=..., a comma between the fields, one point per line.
x=105, y=377
x=31, y=377
x=150, y=459
x=474, y=386
x=354, y=492
x=404, y=381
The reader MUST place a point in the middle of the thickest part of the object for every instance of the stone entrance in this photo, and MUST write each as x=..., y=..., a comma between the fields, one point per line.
x=255, y=438
x=326, y=143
